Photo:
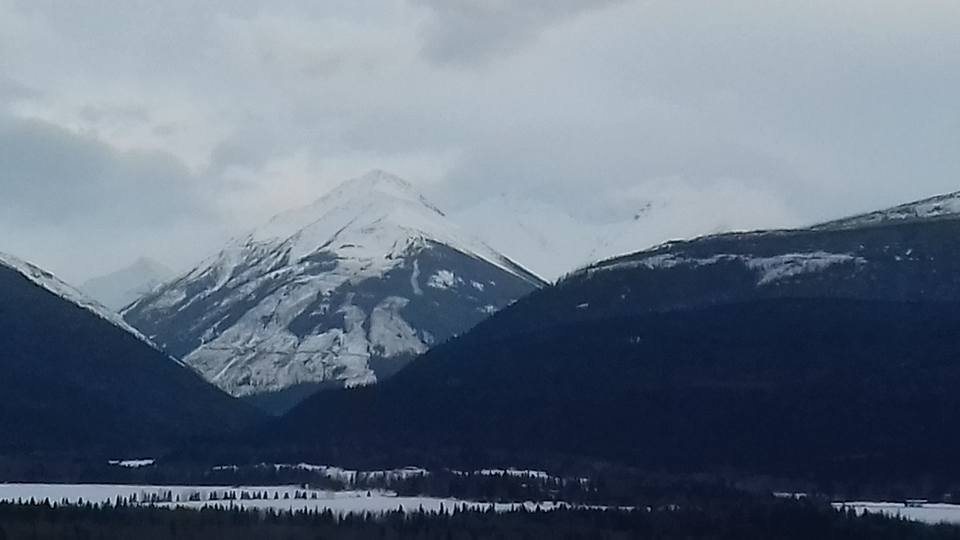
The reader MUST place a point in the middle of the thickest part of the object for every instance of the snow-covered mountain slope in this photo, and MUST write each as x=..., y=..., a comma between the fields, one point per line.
x=941, y=206
x=121, y=288
x=341, y=291
x=53, y=284
x=544, y=237
x=553, y=242
x=914, y=259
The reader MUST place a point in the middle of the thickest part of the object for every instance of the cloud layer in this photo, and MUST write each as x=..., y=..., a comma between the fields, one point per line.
x=137, y=127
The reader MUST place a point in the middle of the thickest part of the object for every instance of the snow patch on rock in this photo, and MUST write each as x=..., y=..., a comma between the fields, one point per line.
x=443, y=279
x=793, y=264
x=390, y=335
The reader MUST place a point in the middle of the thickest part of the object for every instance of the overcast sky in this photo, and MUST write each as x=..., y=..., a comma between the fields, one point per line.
x=140, y=127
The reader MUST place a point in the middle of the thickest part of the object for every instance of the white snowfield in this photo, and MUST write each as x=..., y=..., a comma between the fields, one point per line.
x=281, y=498
x=362, y=230
x=51, y=283
x=932, y=513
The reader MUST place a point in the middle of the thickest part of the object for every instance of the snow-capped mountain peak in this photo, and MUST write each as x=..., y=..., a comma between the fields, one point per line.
x=373, y=218
x=374, y=191
x=369, y=271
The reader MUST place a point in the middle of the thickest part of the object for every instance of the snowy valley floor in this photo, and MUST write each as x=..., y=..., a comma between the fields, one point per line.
x=280, y=498
x=299, y=498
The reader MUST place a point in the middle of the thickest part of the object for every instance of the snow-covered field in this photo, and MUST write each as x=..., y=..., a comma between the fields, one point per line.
x=294, y=498
x=926, y=513
x=259, y=497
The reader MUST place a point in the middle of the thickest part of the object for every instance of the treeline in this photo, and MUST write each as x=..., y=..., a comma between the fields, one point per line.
x=620, y=487
x=767, y=519
x=72, y=470
x=577, y=483
x=608, y=486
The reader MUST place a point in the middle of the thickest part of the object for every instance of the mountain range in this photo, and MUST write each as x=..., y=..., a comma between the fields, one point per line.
x=343, y=291
x=824, y=352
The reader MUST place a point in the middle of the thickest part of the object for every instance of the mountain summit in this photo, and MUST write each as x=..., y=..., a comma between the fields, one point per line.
x=340, y=292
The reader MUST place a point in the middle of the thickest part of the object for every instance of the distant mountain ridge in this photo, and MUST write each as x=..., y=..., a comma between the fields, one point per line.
x=907, y=253
x=119, y=289
x=941, y=206
x=340, y=292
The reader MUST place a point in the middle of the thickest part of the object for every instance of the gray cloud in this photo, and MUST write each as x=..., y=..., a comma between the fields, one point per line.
x=12, y=90
x=53, y=176
x=98, y=114
x=249, y=150
x=473, y=31
x=81, y=207
x=160, y=126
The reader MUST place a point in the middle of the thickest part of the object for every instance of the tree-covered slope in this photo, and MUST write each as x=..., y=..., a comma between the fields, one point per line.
x=780, y=386
x=74, y=381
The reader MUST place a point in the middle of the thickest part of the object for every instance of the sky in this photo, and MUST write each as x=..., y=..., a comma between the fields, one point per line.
x=138, y=127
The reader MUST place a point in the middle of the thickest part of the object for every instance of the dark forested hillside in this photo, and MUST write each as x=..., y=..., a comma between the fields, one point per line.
x=905, y=261
x=792, y=387
x=75, y=382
